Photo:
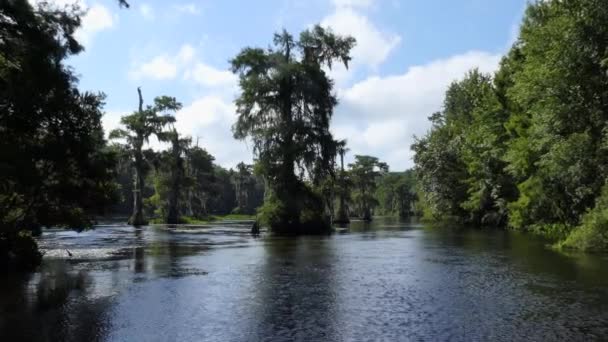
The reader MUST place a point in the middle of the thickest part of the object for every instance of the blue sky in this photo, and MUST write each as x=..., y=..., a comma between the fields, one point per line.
x=408, y=52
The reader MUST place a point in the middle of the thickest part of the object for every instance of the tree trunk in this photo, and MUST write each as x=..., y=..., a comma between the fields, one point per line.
x=173, y=212
x=342, y=216
x=367, y=214
x=176, y=176
x=137, y=219
x=288, y=187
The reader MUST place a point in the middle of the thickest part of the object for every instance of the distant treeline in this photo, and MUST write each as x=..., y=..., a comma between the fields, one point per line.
x=209, y=189
x=527, y=147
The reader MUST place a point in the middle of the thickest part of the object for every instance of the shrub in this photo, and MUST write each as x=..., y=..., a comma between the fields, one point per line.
x=592, y=234
x=19, y=251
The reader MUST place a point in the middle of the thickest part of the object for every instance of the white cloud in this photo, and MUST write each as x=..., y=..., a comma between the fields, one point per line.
x=380, y=115
x=188, y=8
x=207, y=119
x=147, y=11
x=111, y=120
x=210, y=119
x=159, y=68
x=96, y=19
x=204, y=112
x=186, y=53
x=353, y=3
x=384, y=133
x=373, y=45
x=164, y=67
x=211, y=77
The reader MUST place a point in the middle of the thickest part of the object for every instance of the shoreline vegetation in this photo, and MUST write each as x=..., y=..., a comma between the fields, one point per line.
x=524, y=148
x=207, y=220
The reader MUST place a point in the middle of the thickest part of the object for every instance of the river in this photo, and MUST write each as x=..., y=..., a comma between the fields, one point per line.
x=385, y=281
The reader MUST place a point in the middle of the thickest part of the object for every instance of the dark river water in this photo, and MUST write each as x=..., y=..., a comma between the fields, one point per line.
x=386, y=281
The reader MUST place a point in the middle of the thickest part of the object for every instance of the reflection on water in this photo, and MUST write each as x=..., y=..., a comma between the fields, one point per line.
x=387, y=280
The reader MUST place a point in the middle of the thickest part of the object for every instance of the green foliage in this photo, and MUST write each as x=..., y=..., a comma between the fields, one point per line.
x=440, y=155
x=527, y=147
x=18, y=251
x=343, y=186
x=364, y=173
x=592, y=233
x=248, y=189
x=56, y=169
x=138, y=127
x=205, y=191
x=285, y=106
x=558, y=153
x=203, y=183
x=396, y=194
x=309, y=218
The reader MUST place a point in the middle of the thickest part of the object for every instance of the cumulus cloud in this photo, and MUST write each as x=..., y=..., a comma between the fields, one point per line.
x=204, y=112
x=111, y=120
x=373, y=45
x=209, y=120
x=187, y=8
x=158, y=68
x=353, y=3
x=97, y=18
x=380, y=115
x=146, y=11
x=164, y=67
x=186, y=54
x=168, y=67
x=208, y=76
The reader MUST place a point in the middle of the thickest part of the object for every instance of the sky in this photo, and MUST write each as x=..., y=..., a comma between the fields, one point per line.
x=407, y=53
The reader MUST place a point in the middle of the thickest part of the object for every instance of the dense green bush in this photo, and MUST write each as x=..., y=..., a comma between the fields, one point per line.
x=527, y=147
x=592, y=234
x=310, y=219
x=19, y=251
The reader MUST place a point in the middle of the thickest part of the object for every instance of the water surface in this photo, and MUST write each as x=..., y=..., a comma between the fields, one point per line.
x=386, y=281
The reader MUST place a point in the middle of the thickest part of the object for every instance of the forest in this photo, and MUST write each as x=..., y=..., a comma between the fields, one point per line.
x=524, y=148
x=60, y=170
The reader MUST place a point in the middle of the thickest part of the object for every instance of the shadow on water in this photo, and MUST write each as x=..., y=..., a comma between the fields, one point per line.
x=297, y=299
x=532, y=253
x=51, y=306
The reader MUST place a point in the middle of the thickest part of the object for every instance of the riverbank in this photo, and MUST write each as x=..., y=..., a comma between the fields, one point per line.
x=209, y=219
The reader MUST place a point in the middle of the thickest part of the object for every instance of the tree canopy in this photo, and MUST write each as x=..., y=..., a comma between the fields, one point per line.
x=56, y=170
x=285, y=107
x=527, y=147
x=139, y=126
x=364, y=173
